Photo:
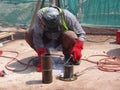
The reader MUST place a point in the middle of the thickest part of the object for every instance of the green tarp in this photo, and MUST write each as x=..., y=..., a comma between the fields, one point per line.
x=101, y=13
x=89, y=12
x=16, y=12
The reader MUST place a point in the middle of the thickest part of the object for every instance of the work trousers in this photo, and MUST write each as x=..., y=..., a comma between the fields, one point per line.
x=66, y=40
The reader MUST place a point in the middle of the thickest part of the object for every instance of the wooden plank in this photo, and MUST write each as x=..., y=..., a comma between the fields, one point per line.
x=2, y=33
x=7, y=34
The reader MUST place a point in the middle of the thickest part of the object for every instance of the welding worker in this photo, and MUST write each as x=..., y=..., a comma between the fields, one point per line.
x=53, y=27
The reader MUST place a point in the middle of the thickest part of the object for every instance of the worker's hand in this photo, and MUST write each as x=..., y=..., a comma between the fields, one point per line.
x=76, y=50
x=40, y=51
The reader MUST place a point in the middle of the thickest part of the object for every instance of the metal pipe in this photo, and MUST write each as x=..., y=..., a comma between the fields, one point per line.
x=46, y=68
x=68, y=71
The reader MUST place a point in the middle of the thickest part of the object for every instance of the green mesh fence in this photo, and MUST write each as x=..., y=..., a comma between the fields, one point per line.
x=16, y=12
x=71, y=5
x=89, y=12
x=101, y=13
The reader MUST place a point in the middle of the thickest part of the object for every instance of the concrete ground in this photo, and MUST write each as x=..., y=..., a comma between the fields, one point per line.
x=91, y=79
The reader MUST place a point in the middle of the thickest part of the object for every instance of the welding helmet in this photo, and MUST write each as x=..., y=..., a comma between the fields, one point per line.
x=51, y=17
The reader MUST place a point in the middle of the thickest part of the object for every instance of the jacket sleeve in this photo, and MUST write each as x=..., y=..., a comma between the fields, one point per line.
x=73, y=24
x=38, y=32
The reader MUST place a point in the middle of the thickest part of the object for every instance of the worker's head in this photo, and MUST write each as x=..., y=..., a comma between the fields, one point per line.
x=51, y=17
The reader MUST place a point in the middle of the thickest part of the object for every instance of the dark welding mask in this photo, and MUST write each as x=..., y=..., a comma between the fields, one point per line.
x=51, y=17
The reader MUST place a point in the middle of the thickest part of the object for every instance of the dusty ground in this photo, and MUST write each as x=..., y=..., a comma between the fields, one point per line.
x=91, y=79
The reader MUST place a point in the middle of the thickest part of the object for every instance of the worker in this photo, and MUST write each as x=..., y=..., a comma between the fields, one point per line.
x=55, y=27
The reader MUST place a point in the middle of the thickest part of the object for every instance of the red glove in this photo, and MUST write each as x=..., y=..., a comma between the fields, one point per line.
x=76, y=50
x=40, y=51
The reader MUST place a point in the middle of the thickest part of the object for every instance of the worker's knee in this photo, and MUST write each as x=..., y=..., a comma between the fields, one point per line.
x=70, y=34
x=68, y=39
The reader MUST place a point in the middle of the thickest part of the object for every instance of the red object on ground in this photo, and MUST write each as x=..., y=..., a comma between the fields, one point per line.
x=2, y=73
x=1, y=52
x=118, y=37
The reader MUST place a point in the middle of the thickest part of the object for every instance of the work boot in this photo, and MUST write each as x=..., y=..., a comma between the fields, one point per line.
x=35, y=61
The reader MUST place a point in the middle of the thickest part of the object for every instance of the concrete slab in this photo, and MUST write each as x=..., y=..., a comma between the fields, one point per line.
x=91, y=79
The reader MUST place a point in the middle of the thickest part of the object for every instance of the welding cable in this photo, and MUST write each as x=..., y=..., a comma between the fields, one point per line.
x=98, y=41
x=78, y=73
x=108, y=63
x=15, y=59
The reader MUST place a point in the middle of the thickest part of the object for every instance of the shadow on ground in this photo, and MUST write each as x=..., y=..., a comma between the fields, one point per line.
x=21, y=66
x=32, y=82
x=26, y=65
x=114, y=52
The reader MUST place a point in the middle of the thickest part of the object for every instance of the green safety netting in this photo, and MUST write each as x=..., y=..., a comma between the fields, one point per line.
x=89, y=12
x=16, y=12
x=101, y=13
x=71, y=5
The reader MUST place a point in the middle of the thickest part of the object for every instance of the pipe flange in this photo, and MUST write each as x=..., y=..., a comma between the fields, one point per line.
x=67, y=79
